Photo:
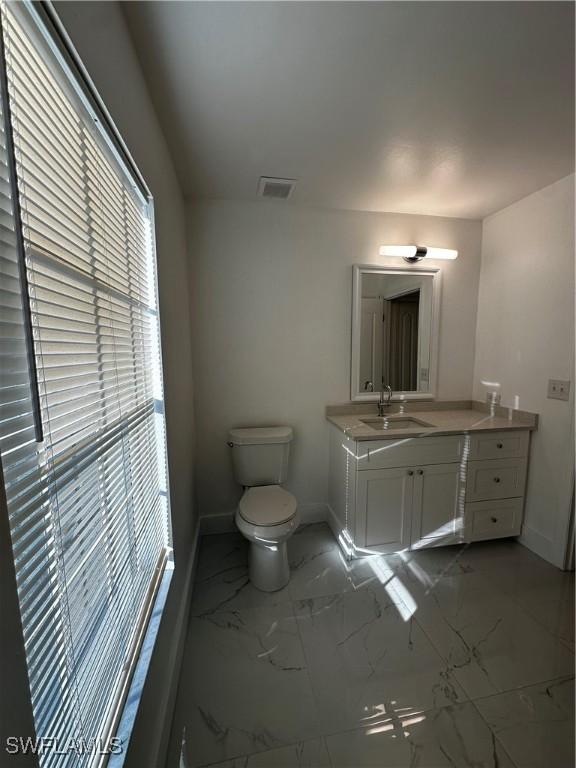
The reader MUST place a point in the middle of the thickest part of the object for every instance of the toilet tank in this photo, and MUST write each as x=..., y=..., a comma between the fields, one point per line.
x=260, y=454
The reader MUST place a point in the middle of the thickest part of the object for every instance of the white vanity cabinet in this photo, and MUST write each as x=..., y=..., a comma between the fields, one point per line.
x=398, y=494
x=407, y=507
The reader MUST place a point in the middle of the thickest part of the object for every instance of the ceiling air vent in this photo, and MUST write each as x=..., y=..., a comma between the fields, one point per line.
x=279, y=189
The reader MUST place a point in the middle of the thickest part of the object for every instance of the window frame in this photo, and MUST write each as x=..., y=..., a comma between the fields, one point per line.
x=121, y=718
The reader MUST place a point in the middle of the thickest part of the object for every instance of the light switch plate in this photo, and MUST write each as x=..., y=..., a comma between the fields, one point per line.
x=558, y=389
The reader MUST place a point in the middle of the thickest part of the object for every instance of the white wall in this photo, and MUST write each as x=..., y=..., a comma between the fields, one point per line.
x=271, y=324
x=100, y=35
x=525, y=336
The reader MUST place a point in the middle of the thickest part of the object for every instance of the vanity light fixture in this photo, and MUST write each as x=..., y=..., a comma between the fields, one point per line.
x=414, y=253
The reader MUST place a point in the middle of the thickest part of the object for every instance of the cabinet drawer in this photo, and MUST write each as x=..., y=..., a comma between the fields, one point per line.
x=499, y=445
x=409, y=452
x=493, y=519
x=495, y=479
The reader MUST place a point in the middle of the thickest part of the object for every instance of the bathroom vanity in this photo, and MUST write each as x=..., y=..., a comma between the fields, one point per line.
x=408, y=471
x=426, y=475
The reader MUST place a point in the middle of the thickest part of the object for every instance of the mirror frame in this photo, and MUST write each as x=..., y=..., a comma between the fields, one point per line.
x=362, y=269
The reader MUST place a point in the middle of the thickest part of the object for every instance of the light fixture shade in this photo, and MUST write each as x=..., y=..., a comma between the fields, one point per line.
x=441, y=253
x=417, y=252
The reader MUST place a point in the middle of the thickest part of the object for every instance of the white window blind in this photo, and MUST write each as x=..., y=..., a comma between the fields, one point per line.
x=88, y=504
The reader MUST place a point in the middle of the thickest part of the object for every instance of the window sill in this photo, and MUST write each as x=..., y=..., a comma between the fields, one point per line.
x=128, y=718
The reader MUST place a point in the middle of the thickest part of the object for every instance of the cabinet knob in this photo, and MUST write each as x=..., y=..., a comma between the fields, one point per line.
x=410, y=472
x=499, y=445
x=496, y=479
x=420, y=471
x=494, y=519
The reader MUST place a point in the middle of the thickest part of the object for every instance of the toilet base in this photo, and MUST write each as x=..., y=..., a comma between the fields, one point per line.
x=269, y=569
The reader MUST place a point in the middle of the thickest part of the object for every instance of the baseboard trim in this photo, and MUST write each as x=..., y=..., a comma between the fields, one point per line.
x=333, y=522
x=177, y=654
x=540, y=545
x=223, y=522
x=313, y=512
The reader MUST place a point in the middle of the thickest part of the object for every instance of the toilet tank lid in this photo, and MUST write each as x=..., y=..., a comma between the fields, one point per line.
x=260, y=435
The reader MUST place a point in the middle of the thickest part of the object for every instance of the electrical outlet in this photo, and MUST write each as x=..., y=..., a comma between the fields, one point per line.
x=558, y=389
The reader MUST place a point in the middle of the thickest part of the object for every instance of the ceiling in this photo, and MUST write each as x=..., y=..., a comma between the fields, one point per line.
x=442, y=108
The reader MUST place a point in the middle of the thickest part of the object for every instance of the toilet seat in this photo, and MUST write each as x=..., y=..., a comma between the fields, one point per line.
x=267, y=505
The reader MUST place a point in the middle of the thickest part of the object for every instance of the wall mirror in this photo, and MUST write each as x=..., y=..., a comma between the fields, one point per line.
x=395, y=318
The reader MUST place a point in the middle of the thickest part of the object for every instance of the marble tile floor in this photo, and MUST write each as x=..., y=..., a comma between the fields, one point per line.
x=457, y=656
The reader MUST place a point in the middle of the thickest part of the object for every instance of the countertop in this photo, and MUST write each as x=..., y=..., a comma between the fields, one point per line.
x=466, y=417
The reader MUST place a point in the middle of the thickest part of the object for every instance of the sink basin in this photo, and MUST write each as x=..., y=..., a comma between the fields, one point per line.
x=393, y=422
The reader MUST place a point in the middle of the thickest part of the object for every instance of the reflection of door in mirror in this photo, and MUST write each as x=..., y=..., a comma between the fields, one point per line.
x=394, y=331
x=389, y=342
x=371, y=337
x=400, y=347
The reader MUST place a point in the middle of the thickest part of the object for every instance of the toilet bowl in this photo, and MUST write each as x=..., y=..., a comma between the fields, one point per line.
x=267, y=516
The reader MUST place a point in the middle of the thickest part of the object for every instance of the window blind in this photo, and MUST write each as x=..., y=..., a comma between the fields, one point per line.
x=88, y=504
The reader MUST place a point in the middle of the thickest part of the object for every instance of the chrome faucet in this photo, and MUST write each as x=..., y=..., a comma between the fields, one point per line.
x=382, y=404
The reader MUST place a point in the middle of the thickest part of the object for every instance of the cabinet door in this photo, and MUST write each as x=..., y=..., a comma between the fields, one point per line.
x=384, y=507
x=438, y=507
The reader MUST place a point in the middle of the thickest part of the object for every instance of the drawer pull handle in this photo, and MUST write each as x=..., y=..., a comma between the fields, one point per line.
x=496, y=479
x=410, y=472
x=420, y=471
x=494, y=519
x=499, y=445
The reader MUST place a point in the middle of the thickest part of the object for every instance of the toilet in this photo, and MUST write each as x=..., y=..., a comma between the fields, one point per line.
x=267, y=514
